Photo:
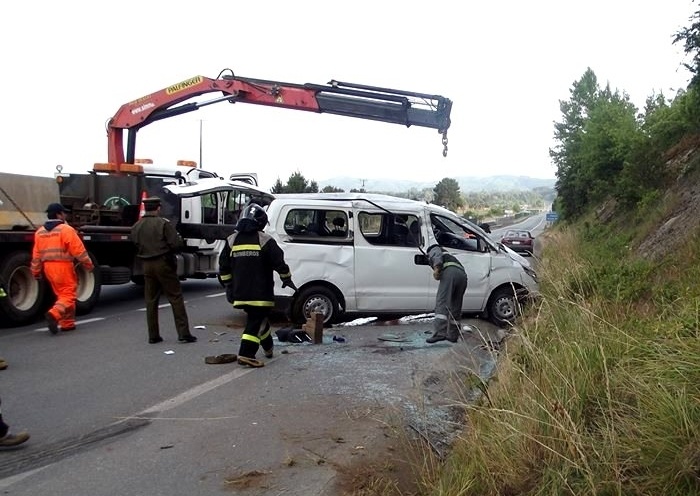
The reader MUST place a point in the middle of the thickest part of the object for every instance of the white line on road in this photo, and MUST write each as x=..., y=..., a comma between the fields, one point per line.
x=215, y=295
x=196, y=391
x=77, y=323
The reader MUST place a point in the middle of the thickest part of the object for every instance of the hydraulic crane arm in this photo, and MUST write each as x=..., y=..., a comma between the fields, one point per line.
x=336, y=97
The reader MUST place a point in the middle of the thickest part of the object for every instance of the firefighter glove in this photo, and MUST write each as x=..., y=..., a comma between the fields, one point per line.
x=436, y=274
x=288, y=283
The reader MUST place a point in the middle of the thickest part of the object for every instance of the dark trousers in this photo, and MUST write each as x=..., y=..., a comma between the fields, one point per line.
x=256, y=332
x=4, y=428
x=448, y=302
x=160, y=277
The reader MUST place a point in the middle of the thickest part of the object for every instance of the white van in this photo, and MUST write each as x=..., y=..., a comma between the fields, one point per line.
x=365, y=253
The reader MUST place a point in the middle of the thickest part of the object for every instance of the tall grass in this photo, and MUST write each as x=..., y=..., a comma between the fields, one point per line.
x=598, y=391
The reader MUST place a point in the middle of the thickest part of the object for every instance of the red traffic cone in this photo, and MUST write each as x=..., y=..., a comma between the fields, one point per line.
x=142, y=211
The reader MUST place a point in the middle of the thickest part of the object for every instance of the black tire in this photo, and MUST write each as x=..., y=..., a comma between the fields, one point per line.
x=503, y=307
x=315, y=299
x=89, y=288
x=26, y=297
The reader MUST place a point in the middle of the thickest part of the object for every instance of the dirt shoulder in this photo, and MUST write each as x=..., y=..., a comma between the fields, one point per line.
x=368, y=409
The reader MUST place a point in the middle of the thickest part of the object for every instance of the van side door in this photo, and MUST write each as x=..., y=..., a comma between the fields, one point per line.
x=387, y=277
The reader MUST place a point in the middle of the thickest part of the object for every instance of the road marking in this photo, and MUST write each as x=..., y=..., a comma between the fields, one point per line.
x=164, y=305
x=196, y=391
x=215, y=295
x=77, y=323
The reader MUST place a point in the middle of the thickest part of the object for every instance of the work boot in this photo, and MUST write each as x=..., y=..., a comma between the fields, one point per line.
x=269, y=353
x=52, y=323
x=14, y=439
x=188, y=339
x=435, y=338
x=155, y=340
x=452, y=336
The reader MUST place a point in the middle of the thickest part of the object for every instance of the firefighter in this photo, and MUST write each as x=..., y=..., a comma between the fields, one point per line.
x=448, y=301
x=156, y=242
x=246, y=266
x=56, y=247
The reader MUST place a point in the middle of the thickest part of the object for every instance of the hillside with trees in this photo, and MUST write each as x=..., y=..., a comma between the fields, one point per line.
x=597, y=389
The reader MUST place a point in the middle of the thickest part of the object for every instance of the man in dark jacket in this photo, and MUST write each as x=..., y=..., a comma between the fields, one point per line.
x=157, y=241
x=246, y=266
x=448, y=302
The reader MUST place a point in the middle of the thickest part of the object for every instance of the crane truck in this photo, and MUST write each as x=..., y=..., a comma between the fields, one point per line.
x=105, y=201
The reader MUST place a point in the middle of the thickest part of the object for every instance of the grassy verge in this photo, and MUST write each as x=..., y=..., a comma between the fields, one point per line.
x=598, y=391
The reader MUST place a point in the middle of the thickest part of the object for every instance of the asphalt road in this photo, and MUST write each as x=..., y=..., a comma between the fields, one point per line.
x=111, y=414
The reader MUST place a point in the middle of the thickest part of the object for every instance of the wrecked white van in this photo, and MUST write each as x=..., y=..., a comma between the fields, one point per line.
x=364, y=253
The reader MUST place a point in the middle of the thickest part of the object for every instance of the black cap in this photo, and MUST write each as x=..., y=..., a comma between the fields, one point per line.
x=151, y=203
x=56, y=208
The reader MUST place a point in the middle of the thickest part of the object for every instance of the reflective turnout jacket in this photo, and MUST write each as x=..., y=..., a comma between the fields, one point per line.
x=248, y=261
x=56, y=241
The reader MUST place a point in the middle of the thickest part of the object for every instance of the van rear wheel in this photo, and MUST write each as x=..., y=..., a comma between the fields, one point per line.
x=317, y=299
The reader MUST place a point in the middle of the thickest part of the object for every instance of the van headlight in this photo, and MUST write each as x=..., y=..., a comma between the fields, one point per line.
x=530, y=272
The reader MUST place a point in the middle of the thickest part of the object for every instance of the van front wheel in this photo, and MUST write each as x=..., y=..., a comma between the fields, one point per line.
x=315, y=299
x=503, y=307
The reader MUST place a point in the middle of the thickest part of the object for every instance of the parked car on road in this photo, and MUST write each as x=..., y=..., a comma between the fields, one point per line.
x=519, y=240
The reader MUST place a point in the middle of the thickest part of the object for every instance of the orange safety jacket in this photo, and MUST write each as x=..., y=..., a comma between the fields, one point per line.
x=56, y=241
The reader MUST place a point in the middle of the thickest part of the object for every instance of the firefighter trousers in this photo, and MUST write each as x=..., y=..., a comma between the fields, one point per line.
x=256, y=332
x=448, y=302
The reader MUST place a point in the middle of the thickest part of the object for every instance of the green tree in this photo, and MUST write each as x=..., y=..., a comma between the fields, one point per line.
x=296, y=183
x=566, y=155
x=332, y=189
x=690, y=37
x=448, y=195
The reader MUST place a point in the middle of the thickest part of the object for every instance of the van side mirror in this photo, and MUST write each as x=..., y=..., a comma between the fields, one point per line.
x=420, y=259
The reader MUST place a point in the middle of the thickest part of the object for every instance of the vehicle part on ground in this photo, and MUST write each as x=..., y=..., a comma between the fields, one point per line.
x=319, y=299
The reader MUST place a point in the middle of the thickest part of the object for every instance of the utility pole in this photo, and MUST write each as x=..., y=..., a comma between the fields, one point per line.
x=200, y=144
x=362, y=189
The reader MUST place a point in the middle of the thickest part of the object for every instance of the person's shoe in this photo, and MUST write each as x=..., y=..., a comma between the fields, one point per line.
x=435, y=338
x=452, y=338
x=3, y=364
x=66, y=329
x=269, y=353
x=188, y=339
x=155, y=340
x=14, y=439
x=250, y=362
x=51, y=322
x=224, y=358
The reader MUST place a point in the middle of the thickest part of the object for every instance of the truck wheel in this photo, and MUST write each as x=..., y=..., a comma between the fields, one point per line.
x=26, y=297
x=315, y=299
x=503, y=307
x=89, y=287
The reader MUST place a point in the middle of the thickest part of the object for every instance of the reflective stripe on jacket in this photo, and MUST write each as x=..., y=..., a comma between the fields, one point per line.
x=58, y=243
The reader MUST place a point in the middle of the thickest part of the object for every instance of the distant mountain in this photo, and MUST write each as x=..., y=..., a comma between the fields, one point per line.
x=467, y=184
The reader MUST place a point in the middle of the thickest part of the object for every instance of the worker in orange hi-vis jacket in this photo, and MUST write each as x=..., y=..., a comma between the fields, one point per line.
x=56, y=247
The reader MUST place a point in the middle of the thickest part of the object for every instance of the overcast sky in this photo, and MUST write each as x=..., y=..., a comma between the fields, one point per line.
x=67, y=67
